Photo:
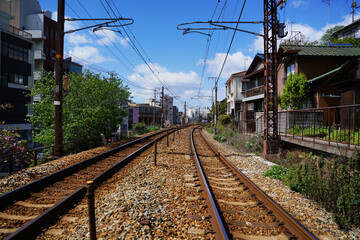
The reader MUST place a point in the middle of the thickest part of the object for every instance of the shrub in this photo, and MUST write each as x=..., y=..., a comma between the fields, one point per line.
x=225, y=119
x=18, y=150
x=139, y=127
x=336, y=186
x=254, y=144
x=277, y=172
x=152, y=128
x=220, y=138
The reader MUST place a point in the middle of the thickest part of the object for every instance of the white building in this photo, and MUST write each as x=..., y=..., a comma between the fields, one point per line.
x=235, y=92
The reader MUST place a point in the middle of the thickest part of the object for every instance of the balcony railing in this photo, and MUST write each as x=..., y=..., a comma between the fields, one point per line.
x=19, y=32
x=254, y=91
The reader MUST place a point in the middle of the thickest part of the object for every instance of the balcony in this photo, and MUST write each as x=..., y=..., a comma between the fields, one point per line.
x=36, y=34
x=19, y=32
x=254, y=91
x=39, y=55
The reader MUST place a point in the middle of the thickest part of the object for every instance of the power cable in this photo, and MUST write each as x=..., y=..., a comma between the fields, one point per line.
x=232, y=40
x=138, y=76
x=158, y=75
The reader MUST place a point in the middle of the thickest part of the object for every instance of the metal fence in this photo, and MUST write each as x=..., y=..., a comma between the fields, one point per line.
x=326, y=125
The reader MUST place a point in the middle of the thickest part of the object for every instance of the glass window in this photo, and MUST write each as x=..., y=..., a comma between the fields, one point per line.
x=290, y=69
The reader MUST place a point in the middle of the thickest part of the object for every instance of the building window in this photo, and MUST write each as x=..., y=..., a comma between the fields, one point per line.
x=11, y=50
x=17, y=79
x=290, y=69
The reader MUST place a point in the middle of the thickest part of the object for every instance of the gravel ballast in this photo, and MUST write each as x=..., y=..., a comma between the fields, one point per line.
x=149, y=202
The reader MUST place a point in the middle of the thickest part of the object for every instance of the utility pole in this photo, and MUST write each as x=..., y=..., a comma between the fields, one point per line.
x=185, y=112
x=215, y=88
x=216, y=105
x=271, y=28
x=154, y=107
x=353, y=7
x=59, y=147
x=162, y=107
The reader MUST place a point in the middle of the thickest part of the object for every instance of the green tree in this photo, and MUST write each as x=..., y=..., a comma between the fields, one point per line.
x=353, y=41
x=295, y=91
x=222, y=107
x=93, y=105
x=330, y=35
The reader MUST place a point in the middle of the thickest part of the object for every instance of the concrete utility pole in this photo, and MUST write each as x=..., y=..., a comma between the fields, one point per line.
x=59, y=147
x=162, y=107
x=215, y=112
x=185, y=112
x=154, y=107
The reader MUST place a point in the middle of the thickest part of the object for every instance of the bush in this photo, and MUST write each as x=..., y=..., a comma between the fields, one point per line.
x=152, y=128
x=336, y=186
x=139, y=127
x=220, y=138
x=277, y=172
x=255, y=144
x=225, y=119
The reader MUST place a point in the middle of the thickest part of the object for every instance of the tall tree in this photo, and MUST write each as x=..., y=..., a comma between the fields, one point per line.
x=93, y=105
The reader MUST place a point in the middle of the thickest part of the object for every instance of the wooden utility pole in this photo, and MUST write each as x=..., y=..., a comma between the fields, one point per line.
x=59, y=147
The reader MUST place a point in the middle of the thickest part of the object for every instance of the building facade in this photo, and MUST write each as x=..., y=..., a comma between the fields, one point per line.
x=16, y=71
x=235, y=93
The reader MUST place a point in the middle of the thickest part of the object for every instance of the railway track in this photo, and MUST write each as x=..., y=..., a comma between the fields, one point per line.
x=25, y=211
x=235, y=206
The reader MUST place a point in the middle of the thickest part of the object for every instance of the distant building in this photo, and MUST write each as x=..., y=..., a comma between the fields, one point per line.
x=143, y=112
x=72, y=67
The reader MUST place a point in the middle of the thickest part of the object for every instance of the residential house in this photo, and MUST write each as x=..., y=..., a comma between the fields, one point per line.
x=333, y=73
x=254, y=91
x=349, y=31
x=235, y=92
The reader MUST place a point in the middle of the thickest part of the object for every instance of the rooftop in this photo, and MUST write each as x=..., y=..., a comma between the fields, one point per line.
x=317, y=50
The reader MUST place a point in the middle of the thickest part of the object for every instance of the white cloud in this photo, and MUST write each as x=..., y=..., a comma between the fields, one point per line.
x=76, y=38
x=179, y=79
x=90, y=53
x=299, y=3
x=107, y=37
x=235, y=62
x=125, y=42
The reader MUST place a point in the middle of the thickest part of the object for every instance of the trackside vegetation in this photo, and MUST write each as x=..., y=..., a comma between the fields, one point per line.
x=93, y=105
x=331, y=181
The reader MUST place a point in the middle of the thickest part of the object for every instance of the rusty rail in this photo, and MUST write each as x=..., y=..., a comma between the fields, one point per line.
x=290, y=223
x=217, y=219
x=30, y=229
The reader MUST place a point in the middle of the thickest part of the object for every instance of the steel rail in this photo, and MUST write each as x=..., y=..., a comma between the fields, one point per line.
x=9, y=197
x=31, y=228
x=289, y=221
x=217, y=220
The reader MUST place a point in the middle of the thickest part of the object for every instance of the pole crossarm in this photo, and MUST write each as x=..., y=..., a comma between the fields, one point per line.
x=100, y=25
x=215, y=25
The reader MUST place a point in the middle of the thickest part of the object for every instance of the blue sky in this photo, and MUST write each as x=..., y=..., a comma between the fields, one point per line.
x=177, y=60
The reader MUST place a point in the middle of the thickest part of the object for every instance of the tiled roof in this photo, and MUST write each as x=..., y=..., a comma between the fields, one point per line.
x=304, y=50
